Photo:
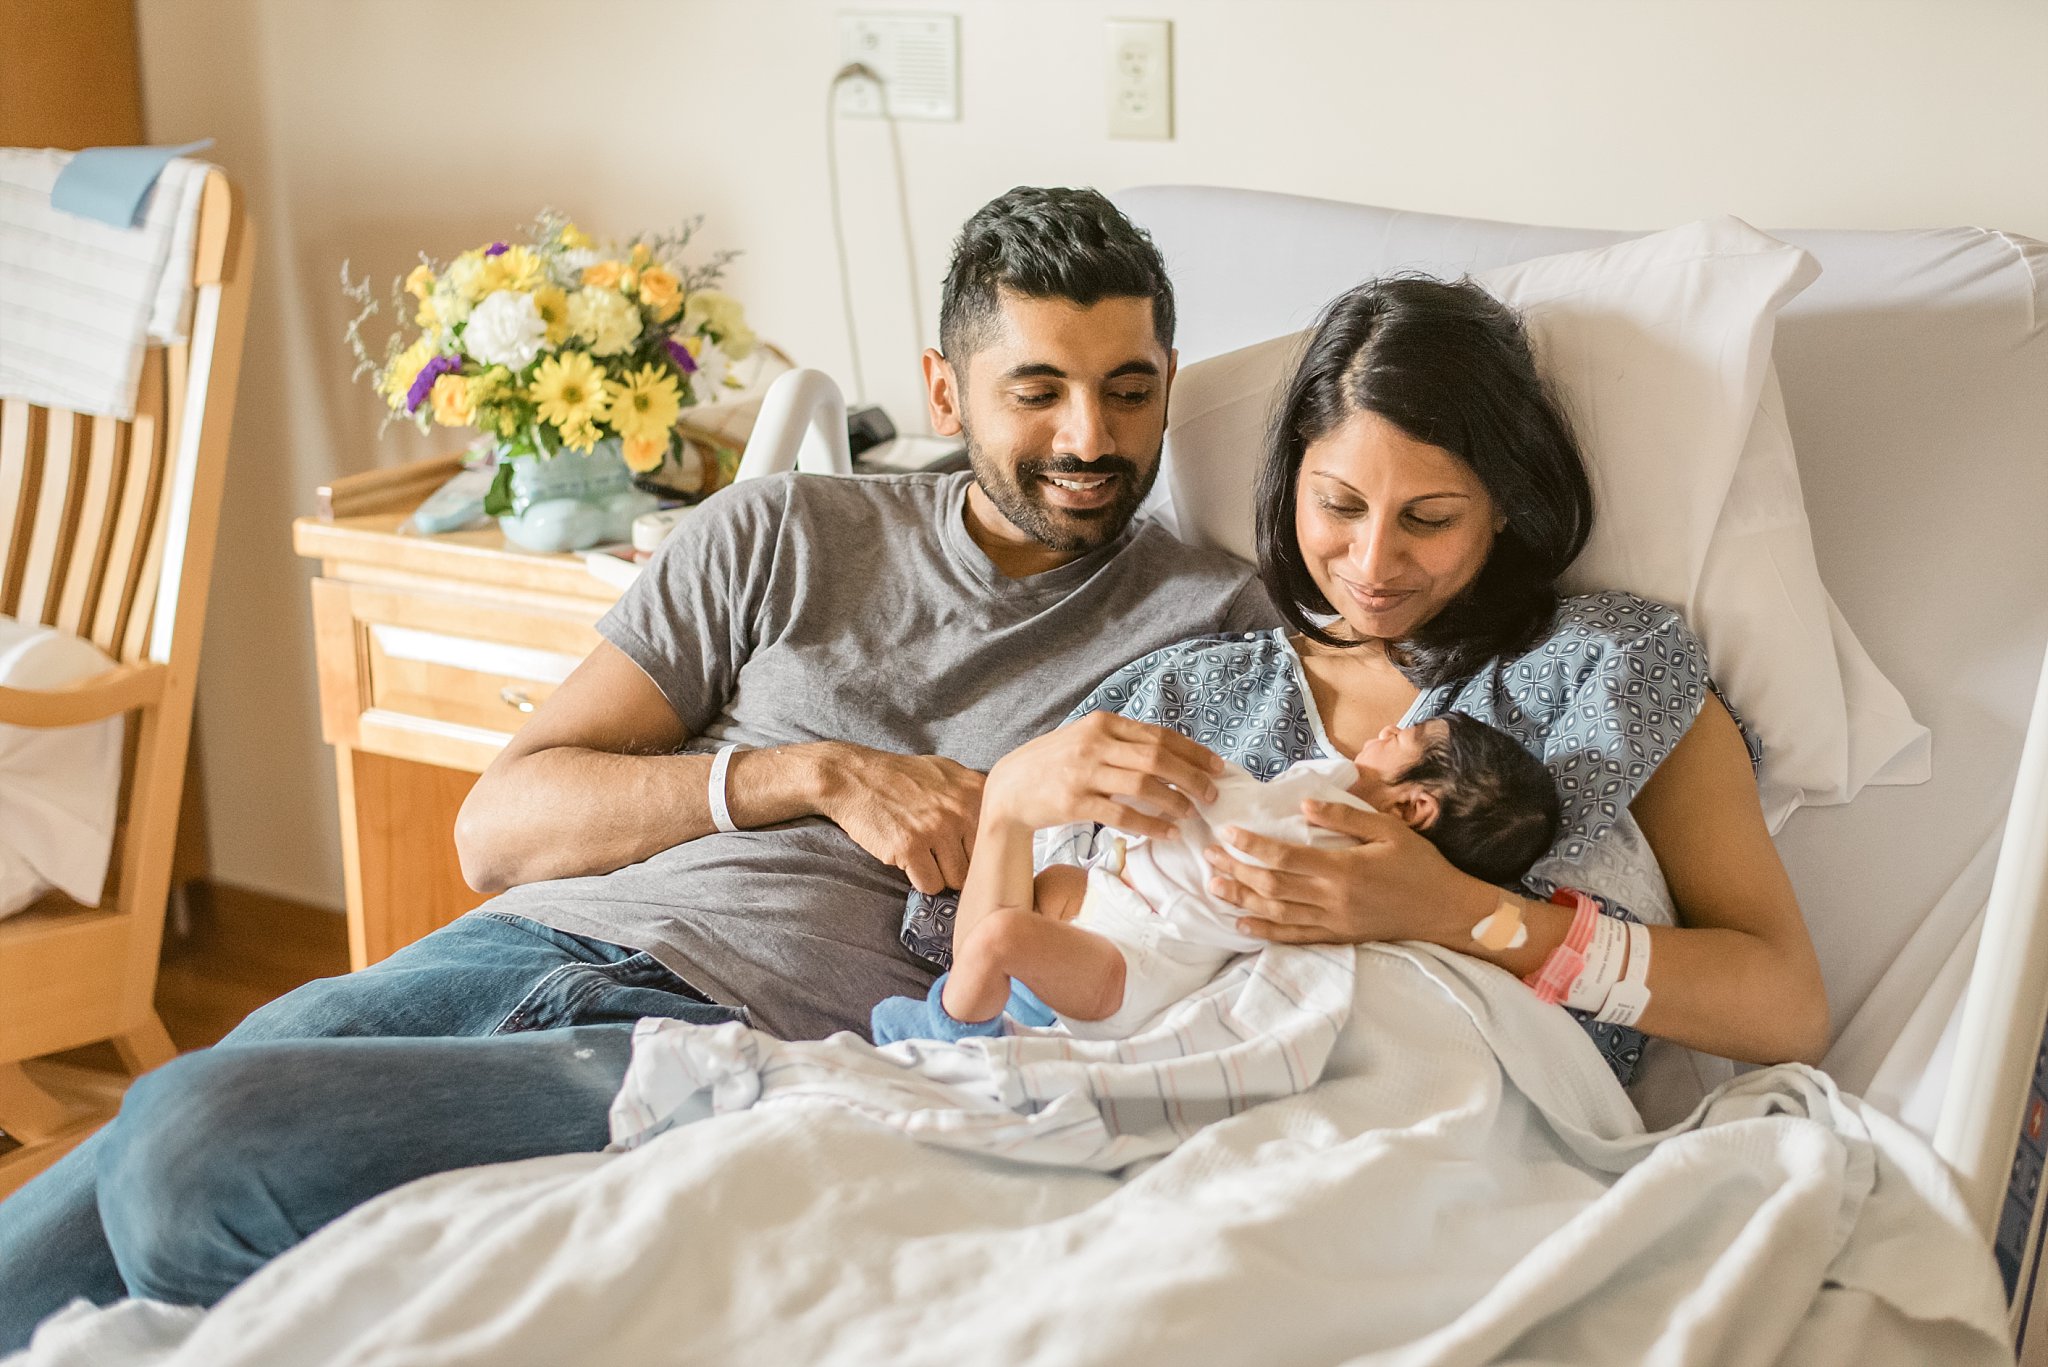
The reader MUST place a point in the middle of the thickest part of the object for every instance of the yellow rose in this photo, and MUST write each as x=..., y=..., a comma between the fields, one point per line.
x=574, y=238
x=661, y=291
x=641, y=255
x=603, y=275
x=644, y=453
x=420, y=283
x=452, y=406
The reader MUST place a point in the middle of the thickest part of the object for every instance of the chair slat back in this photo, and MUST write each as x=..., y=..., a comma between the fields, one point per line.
x=132, y=514
x=104, y=453
x=20, y=464
x=59, y=488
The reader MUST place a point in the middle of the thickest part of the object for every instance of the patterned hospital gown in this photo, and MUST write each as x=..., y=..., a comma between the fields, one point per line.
x=1602, y=699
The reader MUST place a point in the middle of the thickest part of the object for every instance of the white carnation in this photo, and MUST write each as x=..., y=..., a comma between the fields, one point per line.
x=606, y=319
x=707, y=382
x=506, y=329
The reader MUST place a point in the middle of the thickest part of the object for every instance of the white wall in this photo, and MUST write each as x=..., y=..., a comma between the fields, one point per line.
x=372, y=129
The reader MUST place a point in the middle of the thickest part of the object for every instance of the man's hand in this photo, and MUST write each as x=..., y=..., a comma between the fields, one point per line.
x=1096, y=768
x=913, y=812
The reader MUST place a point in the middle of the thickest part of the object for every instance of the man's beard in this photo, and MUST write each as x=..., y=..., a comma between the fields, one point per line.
x=1020, y=497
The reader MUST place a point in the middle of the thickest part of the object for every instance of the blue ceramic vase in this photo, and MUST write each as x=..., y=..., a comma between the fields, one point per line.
x=573, y=500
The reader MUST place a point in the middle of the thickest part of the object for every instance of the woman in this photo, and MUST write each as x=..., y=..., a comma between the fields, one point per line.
x=1420, y=496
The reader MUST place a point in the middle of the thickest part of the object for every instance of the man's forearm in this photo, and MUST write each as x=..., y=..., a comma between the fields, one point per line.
x=567, y=812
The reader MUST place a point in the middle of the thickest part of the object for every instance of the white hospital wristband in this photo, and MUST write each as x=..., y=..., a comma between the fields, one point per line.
x=721, y=815
x=1627, y=998
x=1603, y=965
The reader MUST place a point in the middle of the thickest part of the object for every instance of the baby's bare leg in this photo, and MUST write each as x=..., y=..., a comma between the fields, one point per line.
x=1074, y=971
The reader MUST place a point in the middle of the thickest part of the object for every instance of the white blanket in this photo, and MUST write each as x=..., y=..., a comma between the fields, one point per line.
x=1261, y=1029
x=1466, y=1184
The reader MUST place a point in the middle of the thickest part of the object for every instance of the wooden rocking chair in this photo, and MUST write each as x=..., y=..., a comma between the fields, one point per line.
x=107, y=531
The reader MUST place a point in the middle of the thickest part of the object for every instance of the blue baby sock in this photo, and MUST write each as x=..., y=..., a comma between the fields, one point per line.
x=912, y=1018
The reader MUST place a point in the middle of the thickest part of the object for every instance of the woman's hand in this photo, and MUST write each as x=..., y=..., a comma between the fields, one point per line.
x=1092, y=768
x=1392, y=885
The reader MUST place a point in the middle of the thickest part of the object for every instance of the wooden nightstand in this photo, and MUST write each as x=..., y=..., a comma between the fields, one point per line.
x=432, y=652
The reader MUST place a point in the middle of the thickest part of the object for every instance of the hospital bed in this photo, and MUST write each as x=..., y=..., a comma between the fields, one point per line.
x=1915, y=376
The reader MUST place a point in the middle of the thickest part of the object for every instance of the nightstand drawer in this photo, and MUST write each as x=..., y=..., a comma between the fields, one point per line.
x=460, y=680
x=438, y=678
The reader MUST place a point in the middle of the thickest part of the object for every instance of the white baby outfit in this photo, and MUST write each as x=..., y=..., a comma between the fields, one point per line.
x=1172, y=932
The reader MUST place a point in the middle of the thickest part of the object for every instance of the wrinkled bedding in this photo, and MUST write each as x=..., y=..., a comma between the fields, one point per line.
x=1466, y=1183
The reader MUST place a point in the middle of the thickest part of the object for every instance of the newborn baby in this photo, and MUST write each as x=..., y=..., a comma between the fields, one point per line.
x=1143, y=929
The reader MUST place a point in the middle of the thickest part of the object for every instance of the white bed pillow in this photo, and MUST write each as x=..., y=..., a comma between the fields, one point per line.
x=58, y=785
x=1661, y=349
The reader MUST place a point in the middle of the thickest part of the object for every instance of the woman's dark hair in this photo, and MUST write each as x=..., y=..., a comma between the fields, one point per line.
x=1497, y=807
x=1449, y=365
x=1047, y=243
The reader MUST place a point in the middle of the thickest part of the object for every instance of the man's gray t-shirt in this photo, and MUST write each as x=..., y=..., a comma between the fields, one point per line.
x=806, y=607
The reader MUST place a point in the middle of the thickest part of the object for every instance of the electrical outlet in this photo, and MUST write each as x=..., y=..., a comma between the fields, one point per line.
x=1141, y=78
x=917, y=57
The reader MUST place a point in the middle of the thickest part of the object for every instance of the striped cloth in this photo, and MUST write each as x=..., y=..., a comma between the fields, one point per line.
x=1262, y=1029
x=80, y=300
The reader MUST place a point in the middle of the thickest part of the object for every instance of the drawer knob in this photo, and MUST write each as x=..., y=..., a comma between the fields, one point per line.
x=516, y=697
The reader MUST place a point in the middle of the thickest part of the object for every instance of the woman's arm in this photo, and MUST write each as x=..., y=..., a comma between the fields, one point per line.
x=1739, y=978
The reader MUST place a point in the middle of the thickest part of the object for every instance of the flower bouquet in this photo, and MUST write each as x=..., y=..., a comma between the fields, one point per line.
x=574, y=362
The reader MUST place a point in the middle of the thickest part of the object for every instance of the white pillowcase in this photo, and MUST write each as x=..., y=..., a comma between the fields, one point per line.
x=58, y=785
x=1660, y=347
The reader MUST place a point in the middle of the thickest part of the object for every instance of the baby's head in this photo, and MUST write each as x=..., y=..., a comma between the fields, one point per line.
x=1483, y=800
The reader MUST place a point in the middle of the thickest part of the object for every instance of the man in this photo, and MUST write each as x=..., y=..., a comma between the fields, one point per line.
x=720, y=814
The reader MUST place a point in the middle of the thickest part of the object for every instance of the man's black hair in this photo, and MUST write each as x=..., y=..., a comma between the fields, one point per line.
x=1497, y=807
x=1047, y=243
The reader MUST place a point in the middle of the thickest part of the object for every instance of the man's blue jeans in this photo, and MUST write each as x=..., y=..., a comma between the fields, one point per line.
x=492, y=1039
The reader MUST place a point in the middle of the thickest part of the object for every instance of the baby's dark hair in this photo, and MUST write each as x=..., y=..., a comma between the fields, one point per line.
x=1497, y=807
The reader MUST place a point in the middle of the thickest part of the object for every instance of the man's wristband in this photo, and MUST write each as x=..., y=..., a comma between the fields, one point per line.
x=721, y=815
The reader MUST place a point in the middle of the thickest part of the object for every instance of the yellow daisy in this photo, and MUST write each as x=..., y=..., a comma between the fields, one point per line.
x=552, y=303
x=644, y=404
x=399, y=375
x=568, y=391
x=515, y=268
x=580, y=436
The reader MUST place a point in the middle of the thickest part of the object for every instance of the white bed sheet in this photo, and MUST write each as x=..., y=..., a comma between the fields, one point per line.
x=1466, y=1185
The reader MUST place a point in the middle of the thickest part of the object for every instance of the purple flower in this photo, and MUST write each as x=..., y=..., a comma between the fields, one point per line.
x=680, y=354
x=496, y=249
x=423, y=383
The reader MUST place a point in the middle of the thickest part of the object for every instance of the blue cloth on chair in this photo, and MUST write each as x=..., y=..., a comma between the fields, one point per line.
x=110, y=183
